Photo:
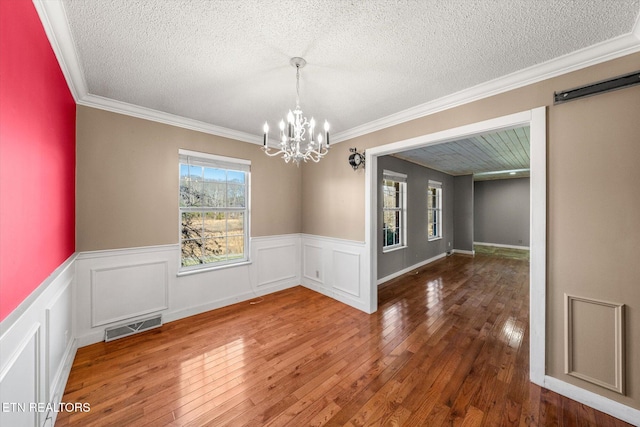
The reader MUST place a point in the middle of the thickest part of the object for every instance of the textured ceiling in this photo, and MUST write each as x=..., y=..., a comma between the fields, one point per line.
x=226, y=63
x=495, y=155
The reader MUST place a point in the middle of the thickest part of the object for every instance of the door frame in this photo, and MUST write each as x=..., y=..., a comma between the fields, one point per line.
x=536, y=120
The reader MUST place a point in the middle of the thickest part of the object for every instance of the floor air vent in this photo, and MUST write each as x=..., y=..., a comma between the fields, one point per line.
x=116, y=332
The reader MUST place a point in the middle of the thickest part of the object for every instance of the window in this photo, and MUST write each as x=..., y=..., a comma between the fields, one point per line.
x=434, y=210
x=214, y=198
x=394, y=192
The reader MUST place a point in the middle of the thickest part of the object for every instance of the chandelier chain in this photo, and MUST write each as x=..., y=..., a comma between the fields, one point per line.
x=297, y=86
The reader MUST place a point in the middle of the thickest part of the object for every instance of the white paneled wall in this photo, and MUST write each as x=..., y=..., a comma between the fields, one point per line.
x=37, y=347
x=118, y=286
x=121, y=286
x=336, y=267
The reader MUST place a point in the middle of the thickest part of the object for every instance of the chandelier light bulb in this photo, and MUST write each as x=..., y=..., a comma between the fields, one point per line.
x=266, y=133
x=326, y=133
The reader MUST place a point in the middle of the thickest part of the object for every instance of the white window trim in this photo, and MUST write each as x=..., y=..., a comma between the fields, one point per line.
x=437, y=184
x=243, y=165
x=398, y=177
x=214, y=157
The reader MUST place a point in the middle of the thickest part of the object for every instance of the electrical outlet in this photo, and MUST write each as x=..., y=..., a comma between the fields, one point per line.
x=317, y=274
x=449, y=244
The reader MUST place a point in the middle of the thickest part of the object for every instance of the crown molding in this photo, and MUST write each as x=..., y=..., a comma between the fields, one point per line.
x=592, y=55
x=56, y=27
x=54, y=20
x=132, y=110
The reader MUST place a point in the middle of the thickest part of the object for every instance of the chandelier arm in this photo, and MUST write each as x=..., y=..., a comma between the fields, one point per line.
x=270, y=154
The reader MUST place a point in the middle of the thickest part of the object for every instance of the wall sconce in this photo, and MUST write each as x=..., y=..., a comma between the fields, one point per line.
x=356, y=159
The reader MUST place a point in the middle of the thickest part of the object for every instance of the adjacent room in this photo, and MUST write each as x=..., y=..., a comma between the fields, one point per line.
x=236, y=212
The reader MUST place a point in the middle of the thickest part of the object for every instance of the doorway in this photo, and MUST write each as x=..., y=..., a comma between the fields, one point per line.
x=536, y=120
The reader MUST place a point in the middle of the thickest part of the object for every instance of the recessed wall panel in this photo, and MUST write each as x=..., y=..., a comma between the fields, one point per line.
x=271, y=267
x=346, y=272
x=594, y=341
x=20, y=383
x=126, y=291
x=313, y=263
x=59, y=334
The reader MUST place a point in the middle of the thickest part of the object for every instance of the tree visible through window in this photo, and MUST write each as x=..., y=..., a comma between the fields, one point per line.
x=434, y=210
x=393, y=209
x=213, y=210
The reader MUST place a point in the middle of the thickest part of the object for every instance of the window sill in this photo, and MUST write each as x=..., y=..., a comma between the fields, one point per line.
x=393, y=249
x=434, y=238
x=212, y=268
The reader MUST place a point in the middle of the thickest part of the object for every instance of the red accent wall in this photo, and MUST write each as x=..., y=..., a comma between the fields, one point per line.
x=37, y=156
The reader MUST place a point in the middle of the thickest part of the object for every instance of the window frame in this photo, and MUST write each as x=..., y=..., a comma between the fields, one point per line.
x=188, y=157
x=437, y=218
x=401, y=207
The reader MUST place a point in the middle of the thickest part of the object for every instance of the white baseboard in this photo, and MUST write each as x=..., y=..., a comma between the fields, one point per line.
x=464, y=252
x=213, y=305
x=408, y=269
x=353, y=302
x=500, y=245
x=596, y=401
x=62, y=376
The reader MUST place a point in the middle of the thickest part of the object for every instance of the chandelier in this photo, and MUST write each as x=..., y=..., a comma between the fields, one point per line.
x=297, y=140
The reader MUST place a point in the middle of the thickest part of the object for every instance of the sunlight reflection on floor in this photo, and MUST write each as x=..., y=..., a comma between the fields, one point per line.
x=213, y=364
x=512, y=332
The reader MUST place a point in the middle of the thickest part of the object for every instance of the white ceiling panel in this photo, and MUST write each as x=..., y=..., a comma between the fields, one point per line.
x=496, y=155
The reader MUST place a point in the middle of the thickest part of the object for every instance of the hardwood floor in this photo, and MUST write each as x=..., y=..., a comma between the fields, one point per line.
x=448, y=346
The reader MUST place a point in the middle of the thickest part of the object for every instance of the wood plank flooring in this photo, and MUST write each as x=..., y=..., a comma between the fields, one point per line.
x=448, y=346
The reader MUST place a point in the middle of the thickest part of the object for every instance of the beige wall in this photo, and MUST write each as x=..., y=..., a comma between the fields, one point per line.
x=127, y=182
x=127, y=192
x=593, y=197
x=594, y=218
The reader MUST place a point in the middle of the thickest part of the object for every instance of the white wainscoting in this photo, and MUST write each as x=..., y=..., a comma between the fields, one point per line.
x=38, y=340
x=336, y=267
x=121, y=286
x=37, y=348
